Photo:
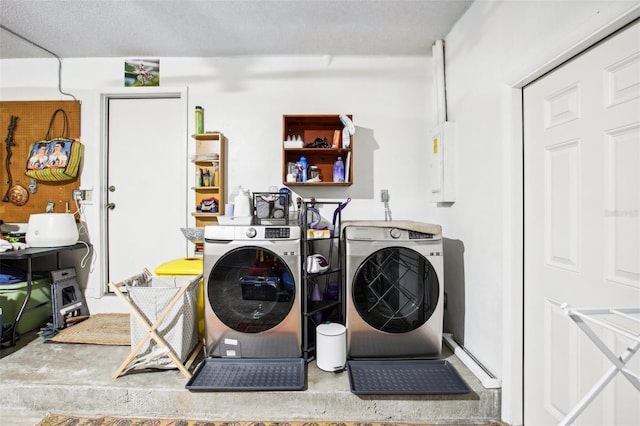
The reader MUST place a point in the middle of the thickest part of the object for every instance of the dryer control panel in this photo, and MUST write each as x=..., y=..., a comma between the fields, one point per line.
x=414, y=235
x=386, y=234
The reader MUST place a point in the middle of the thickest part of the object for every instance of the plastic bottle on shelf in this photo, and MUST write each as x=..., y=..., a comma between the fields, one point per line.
x=303, y=163
x=215, y=181
x=338, y=170
x=198, y=176
x=199, y=119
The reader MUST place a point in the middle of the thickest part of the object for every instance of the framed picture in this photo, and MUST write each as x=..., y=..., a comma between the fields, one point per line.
x=141, y=72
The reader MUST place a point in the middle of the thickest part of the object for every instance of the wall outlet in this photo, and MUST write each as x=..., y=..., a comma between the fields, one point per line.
x=84, y=196
x=384, y=195
x=78, y=194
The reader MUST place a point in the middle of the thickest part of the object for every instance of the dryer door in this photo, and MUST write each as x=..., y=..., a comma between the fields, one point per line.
x=395, y=290
x=251, y=289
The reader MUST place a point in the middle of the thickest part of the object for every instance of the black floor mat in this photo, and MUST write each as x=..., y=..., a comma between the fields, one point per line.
x=404, y=377
x=238, y=374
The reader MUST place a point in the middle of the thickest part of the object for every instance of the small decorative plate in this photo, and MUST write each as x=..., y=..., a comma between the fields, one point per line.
x=18, y=195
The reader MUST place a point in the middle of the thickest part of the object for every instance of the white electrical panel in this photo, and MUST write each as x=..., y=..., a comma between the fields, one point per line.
x=440, y=158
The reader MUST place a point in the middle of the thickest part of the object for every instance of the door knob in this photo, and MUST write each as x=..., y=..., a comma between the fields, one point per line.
x=112, y=188
x=111, y=206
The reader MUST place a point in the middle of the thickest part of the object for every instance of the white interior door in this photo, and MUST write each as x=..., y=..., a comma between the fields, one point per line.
x=582, y=228
x=146, y=186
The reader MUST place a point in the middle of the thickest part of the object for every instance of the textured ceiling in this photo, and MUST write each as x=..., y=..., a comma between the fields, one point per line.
x=218, y=28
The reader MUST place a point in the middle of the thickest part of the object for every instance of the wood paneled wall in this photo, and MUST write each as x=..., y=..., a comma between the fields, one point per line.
x=32, y=126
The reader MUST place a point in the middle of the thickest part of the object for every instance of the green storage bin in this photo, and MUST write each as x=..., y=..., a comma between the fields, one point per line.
x=11, y=299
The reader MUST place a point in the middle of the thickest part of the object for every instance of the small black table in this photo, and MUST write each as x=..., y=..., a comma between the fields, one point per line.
x=28, y=254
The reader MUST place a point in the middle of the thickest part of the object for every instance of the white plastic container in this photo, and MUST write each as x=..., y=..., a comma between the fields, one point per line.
x=242, y=204
x=331, y=346
x=51, y=230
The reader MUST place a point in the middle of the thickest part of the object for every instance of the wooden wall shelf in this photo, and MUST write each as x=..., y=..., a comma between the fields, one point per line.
x=310, y=127
x=208, y=144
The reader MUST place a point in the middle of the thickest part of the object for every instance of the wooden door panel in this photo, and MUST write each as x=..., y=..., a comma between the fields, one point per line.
x=562, y=177
x=582, y=228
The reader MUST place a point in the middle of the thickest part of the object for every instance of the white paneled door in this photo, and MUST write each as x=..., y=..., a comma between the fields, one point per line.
x=582, y=229
x=146, y=186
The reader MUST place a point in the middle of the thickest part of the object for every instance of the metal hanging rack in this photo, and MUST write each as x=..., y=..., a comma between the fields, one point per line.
x=614, y=321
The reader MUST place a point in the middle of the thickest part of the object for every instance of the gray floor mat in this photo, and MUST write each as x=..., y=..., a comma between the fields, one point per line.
x=404, y=377
x=227, y=374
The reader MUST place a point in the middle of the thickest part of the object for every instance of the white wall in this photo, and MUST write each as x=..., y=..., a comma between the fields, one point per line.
x=245, y=99
x=495, y=47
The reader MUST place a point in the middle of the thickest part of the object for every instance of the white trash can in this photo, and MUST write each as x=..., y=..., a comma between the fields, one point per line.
x=331, y=346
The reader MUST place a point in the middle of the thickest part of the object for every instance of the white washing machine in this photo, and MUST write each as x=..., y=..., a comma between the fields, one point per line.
x=252, y=291
x=395, y=289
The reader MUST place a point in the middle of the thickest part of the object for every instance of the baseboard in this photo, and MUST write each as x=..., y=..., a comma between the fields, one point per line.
x=486, y=378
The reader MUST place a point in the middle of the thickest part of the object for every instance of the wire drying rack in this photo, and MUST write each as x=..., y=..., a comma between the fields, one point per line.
x=622, y=321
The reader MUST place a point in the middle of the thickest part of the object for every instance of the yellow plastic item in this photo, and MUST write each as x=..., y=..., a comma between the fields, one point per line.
x=183, y=266
x=187, y=266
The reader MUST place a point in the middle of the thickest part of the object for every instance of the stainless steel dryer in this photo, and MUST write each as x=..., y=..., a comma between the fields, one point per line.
x=395, y=289
x=252, y=291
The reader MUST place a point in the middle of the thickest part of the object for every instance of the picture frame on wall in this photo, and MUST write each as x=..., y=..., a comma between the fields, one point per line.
x=141, y=72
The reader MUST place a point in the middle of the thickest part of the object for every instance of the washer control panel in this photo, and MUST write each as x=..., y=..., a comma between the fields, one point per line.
x=277, y=233
x=251, y=233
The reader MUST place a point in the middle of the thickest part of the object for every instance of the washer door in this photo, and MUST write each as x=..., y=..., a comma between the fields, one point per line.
x=395, y=290
x=251, y=289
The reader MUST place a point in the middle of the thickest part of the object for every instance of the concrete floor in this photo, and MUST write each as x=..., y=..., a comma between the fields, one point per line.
x=37, y=378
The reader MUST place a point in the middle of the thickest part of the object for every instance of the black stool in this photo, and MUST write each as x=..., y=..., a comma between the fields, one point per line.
x=66, y=297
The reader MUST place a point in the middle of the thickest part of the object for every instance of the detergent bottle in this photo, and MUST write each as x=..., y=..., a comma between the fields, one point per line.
x=242, y=203
x=304, y=165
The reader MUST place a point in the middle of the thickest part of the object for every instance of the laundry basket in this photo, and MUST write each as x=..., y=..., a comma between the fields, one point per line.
x=187, y=266
x=149, y=296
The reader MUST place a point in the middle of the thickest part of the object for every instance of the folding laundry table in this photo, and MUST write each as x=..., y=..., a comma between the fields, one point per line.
x=153, y=327
x=584, y=318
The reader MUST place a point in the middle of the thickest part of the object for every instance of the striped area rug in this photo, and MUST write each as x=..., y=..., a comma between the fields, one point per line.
x=61, y=420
